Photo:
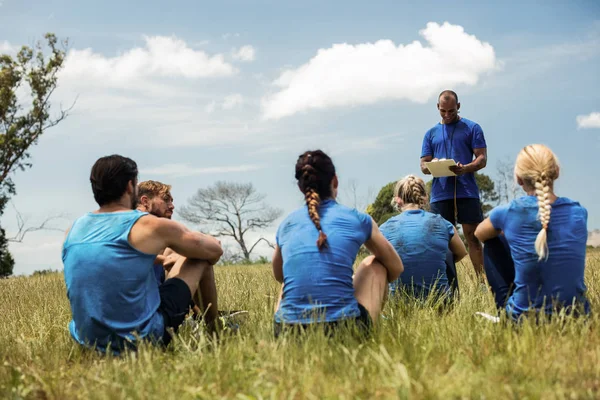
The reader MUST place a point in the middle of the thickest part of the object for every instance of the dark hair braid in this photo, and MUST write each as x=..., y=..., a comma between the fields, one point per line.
x=314, y=171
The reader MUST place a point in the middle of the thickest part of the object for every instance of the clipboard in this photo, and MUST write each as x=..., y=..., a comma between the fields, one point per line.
x=440, y=168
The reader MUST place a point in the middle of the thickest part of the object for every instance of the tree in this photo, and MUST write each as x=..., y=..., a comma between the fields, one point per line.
x=7, y=262
x=505, y=183
x=381, y=209
x=231, y=210
x=29, y=72
x=352, y=198
x=487, y=192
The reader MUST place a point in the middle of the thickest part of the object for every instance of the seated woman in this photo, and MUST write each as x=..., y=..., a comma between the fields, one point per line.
x=535, y=262
x=316, y=248
x=427, y=244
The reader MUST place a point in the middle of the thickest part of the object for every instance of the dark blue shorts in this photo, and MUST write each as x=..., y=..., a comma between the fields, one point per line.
x=175, y=298
x=469, y=210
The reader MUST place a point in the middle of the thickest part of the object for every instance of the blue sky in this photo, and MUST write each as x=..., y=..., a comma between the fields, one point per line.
x=197, y=92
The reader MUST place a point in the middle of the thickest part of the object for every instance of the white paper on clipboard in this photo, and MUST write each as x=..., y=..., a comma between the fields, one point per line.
x=440, y=167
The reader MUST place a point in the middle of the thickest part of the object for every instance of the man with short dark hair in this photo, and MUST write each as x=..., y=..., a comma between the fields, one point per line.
x=108, y=256
x=456, y=198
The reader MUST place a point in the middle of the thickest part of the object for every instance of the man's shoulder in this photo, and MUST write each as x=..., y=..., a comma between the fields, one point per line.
x=469, y=123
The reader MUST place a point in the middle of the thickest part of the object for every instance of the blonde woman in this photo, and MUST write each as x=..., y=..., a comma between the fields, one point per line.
x=427, y=244
x=534, y=247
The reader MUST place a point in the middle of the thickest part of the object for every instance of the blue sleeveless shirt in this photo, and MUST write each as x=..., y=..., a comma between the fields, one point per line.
x=111, y=286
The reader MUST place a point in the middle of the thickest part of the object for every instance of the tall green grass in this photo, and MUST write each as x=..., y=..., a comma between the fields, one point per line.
x=416, y=352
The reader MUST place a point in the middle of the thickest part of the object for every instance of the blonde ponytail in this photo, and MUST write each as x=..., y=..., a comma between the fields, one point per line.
x=411, y=190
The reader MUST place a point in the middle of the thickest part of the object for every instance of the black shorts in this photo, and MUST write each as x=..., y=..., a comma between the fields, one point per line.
x=469, y=210
x=363, y=323
x=175, y=298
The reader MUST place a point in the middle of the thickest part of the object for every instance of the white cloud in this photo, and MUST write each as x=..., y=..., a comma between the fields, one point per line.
x=245, y=53
x=161, y=56
x=348, y=75
x=589, y=121
x=184, y=170
x=210, y=107
x=232, y=101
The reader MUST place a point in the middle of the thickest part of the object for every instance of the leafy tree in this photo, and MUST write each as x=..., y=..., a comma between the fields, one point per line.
x=32, y=71
x=7, y=262
x=231, y=210
x=381, y=209
x=487, y=192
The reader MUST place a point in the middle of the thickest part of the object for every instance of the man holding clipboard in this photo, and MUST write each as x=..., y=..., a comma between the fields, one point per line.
x=460, y=143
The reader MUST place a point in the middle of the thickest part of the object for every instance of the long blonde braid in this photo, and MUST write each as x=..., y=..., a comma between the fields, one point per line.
x=542, y=191
x=538, y=167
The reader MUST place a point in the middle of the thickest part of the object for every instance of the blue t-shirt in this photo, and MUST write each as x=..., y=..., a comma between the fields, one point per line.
x=454, y=141
x=318, y=283
x=421, y=239
x=558, y=279
x=111, y=286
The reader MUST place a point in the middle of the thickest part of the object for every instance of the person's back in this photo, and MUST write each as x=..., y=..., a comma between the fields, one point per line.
x=535, y=247
x=318, y=282
x=108, y=256
x=559, y=279
x=421, y=239
x=110, y=285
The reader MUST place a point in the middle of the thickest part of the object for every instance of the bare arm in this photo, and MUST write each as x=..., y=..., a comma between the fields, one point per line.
x=423, y=167
x=152, y=235
x=479, y=162
x=384, y=252
x=457, y=247
x=486, y=231
x=278, y=265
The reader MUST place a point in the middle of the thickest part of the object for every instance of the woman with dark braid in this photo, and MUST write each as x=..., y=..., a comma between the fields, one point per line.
x=427, y=243
x=535, y=263
x=316, y=249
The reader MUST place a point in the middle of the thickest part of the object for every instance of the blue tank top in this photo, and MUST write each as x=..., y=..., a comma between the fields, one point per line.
x=110, y=285
x=421, y=239
x=318, y=283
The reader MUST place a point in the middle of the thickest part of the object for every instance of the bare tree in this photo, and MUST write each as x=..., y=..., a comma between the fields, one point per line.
x=352, y=198
x=231, y=210
x=506, y=186
x=23, y=229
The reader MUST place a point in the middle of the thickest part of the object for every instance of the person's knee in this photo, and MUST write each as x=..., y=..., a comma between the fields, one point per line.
x=372, y=267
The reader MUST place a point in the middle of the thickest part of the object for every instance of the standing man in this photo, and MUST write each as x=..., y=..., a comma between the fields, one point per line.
x=457, y=197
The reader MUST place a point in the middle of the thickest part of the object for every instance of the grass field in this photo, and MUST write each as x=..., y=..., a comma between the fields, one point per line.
x=415, y=353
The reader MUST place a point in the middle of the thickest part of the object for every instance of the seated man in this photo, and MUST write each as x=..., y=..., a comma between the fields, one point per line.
x=155, y=198
x=108, y=256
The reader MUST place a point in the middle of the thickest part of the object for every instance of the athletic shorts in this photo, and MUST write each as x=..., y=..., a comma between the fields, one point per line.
x=175, y=298
x=469, y=210
x=363, y=322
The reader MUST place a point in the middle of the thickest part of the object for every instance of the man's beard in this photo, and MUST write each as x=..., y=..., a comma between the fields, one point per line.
x=134, y=202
